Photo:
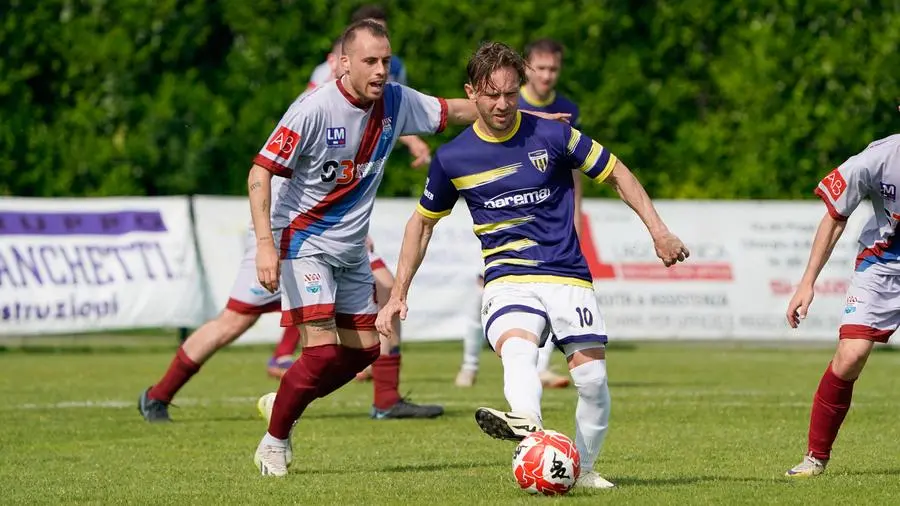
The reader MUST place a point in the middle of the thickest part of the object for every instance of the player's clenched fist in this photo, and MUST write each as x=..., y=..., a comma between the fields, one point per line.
x=670, y=249
x=267, y=266
x=799, y=305
x=395, y=306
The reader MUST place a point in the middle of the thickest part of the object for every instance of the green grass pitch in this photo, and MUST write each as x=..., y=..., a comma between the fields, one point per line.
x=691, y=424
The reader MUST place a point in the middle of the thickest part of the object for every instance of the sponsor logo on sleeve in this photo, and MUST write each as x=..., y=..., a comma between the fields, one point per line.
x=284, y=142
x=835, y=184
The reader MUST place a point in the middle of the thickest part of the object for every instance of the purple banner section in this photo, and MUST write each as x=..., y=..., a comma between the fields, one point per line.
x=80, y=223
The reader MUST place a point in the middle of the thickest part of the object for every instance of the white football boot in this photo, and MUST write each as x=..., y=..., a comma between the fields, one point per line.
x=270, y=459
x=591, y=479
x=807, y=468
x=264, y=407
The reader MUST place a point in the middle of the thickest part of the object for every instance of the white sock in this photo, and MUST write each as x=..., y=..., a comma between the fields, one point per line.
x=521, y=383
x=592, y=410
x=274, y=441
x=544, y=354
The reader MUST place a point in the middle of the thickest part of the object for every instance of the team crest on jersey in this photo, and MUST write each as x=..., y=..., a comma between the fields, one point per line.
x=539, y=159
x=335, y=137
x=386, y=128
x=312, y=282
x=889, y=192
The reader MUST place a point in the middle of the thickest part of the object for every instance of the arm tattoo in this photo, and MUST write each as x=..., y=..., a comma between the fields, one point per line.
x=255, y=185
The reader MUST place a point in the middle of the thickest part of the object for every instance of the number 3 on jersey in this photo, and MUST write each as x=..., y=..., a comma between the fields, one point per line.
x=340, y=170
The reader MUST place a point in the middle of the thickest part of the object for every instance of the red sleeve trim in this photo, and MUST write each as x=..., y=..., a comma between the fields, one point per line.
x=831, y=210
x=272, y=166
x=444, y=111
x=852, y=331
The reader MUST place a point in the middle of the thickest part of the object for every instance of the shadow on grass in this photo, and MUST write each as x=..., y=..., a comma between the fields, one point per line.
x=641, y=384
x=431, y=467
x=872, y=472
x=631, y=481
x=427, y=467
x=363, y=413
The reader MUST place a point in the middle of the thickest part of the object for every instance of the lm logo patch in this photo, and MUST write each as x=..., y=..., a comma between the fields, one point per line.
x=889, y=192
x=335, y=137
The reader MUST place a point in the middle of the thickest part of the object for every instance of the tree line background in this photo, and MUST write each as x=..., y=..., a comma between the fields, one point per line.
x=713, y=99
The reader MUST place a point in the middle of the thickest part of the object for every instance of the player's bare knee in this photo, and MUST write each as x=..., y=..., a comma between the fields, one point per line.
x=579, y=353
x=232, y=324
x=850, y=357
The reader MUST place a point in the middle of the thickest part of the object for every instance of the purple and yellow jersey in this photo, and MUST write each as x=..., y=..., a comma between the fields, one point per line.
x=874, y=174
x=332, y=149
x=554, y=104
x=520, y=195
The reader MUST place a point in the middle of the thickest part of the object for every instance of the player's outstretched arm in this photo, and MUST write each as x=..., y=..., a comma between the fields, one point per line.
x=415, y=243
x=461, y=111
x=259, y=186
x=669, y=247
x=827, y=235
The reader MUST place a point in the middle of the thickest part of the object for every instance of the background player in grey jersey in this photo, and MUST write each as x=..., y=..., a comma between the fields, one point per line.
x=872, y=313
x=418, y=148
x=515, y=175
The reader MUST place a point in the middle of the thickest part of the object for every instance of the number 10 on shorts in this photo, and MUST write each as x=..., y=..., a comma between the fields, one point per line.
x=585, y=317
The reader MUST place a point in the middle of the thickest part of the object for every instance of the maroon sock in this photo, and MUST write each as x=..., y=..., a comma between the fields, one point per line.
x=830, y=406
x=180, y=371
x=289, y=341
x=300, y=385
x=386, y=377
x=352, y=360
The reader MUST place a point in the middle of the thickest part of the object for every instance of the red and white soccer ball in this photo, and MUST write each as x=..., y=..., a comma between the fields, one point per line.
x=546, y=462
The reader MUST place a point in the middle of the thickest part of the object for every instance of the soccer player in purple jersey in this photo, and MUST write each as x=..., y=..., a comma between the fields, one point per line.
x=514, y=172
x=872, y=313
x=543, y=58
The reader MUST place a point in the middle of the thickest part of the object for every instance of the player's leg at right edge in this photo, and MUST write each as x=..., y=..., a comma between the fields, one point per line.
x=875, y=319
x=831, y=403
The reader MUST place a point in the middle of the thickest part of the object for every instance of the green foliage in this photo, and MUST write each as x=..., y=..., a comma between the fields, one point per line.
x=736, y=99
